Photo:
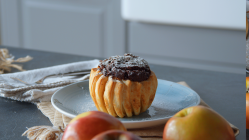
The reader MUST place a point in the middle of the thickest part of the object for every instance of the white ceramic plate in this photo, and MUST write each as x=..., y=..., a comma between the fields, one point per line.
x=170, y=98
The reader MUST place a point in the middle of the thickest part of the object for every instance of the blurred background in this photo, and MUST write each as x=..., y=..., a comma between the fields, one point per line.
x=207, y=35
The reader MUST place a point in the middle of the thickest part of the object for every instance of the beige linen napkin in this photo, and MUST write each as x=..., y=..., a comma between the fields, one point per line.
x=35, y=93
x=60, y=121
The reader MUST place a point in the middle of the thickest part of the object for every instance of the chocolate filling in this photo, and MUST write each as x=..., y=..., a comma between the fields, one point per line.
x=127, y=67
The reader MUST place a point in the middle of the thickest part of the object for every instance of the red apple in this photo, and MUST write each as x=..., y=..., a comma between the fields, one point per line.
x=86, y=125
x=197, y=123
x=116, y=135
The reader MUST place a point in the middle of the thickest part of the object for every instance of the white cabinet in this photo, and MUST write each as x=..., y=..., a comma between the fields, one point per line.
x=189, y=47
x=221, y=14
x=82, y=27
x=208, y=35
x=95, y=28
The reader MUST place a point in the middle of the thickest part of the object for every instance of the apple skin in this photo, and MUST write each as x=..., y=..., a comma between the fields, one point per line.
x=116, y=135
x=247, y=83
x=247, y=110
x=86, y=125
x=197, y=123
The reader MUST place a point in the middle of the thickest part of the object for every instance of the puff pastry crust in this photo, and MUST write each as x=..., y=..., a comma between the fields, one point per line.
x=122, y=98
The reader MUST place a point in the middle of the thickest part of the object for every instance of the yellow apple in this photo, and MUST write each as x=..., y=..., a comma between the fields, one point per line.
x=197, y=123
x=86, y=125
x=116, y=135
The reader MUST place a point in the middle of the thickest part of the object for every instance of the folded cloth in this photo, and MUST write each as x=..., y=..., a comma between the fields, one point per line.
x=60, y=122
x=35, y=93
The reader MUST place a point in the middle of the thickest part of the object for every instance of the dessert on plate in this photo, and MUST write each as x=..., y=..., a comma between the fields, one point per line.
x=123, y=86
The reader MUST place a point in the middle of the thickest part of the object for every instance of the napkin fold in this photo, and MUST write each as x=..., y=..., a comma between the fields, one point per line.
x=35, y=93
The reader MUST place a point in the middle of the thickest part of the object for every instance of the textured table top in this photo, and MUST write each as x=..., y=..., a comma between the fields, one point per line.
x=224, y=92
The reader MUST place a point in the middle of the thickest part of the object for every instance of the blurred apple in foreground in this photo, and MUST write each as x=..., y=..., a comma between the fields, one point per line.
x=197, y=123
x=87, y=125
x=247, y=110
x=116, y=135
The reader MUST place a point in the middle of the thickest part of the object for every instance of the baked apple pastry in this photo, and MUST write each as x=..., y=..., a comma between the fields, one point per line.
x=123, y=85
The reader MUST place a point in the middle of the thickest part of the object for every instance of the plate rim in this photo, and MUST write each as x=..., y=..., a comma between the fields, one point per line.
x=124, y=122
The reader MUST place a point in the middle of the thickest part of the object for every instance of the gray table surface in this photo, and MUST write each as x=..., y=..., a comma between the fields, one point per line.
x=224, y=92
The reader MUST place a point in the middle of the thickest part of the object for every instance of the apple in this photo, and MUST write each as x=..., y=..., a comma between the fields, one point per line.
x=247, y=110
x=86, y=125
x=197, y=123
x=247, y=84
x=116, y=135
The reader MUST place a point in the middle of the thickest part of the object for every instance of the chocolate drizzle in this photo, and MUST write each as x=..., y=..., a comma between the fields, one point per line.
x=127, y=67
